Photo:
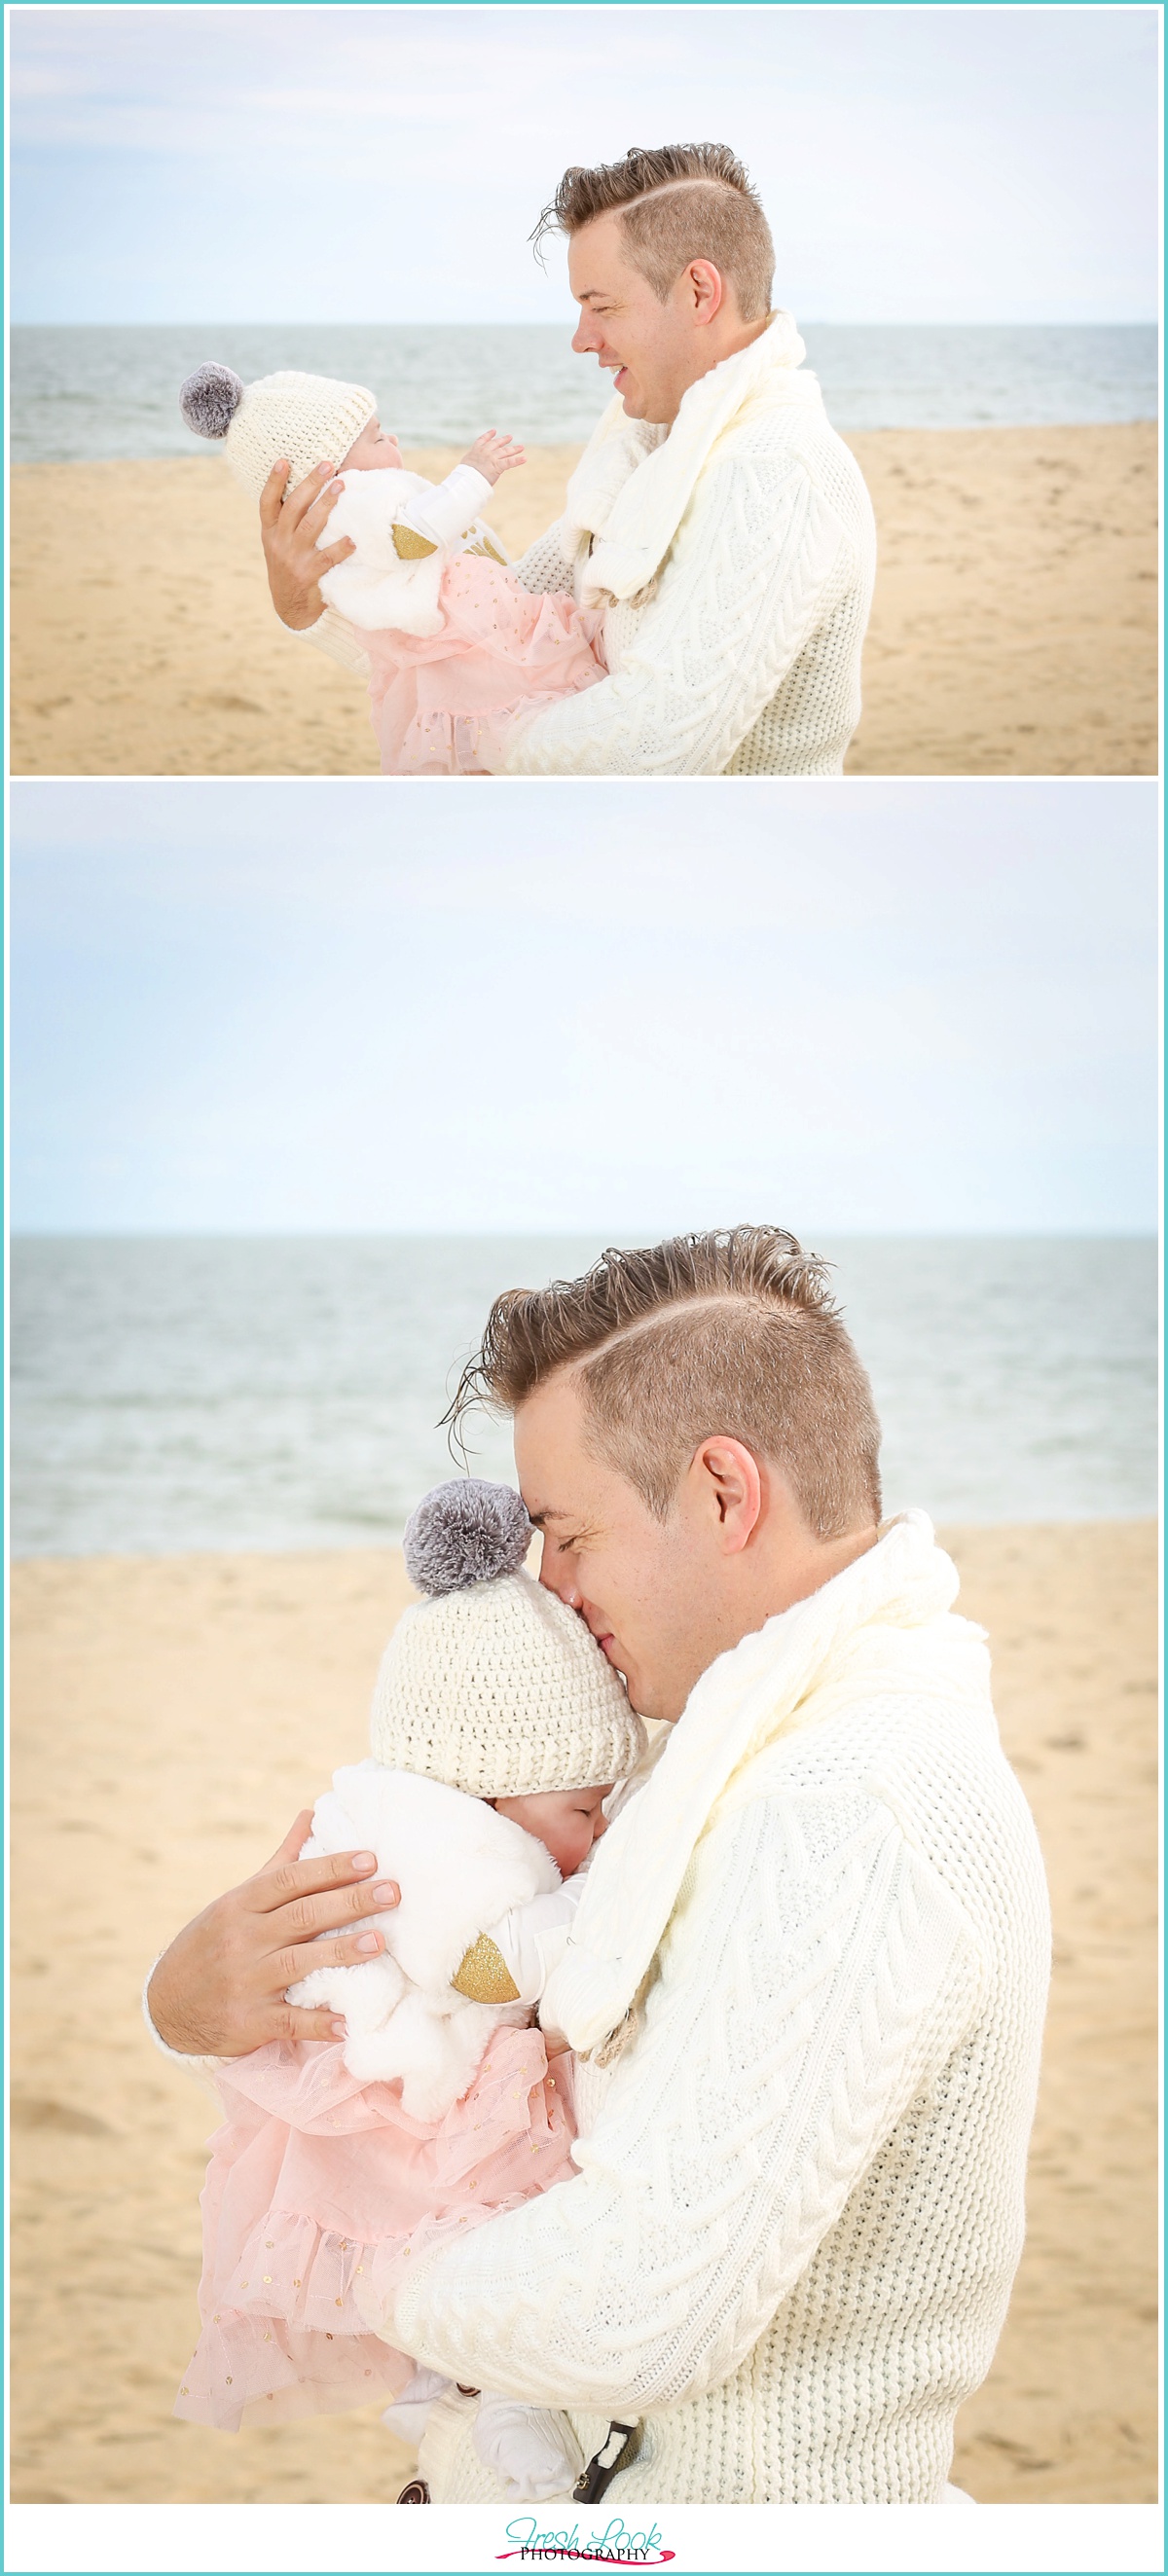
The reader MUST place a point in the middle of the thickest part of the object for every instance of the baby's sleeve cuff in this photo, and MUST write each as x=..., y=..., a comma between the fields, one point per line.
x=449, y=508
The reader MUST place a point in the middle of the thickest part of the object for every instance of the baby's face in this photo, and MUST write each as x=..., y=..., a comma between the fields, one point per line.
x=566, y=1821
x=375, y=447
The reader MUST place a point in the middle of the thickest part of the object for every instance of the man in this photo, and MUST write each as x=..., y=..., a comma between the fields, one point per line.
x=715, y=516
x=807, y=1977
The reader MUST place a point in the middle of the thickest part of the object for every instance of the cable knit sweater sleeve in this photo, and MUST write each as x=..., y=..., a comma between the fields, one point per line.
x=332, y=634
x=737, y=599
x=816, y=1974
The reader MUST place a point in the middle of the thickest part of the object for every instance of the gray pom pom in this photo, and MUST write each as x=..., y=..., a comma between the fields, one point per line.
x=465, y=1532
x=210, y=399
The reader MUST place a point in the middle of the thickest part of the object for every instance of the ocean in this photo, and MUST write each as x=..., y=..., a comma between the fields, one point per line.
x=104, y=391
x=179, y=1393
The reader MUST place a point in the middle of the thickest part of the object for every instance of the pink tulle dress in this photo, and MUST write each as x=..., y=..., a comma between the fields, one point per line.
x=320, y=2193
x=443, y=705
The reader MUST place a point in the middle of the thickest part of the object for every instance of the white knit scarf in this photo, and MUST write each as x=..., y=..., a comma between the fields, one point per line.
x=633, y=483
x=882, y=1626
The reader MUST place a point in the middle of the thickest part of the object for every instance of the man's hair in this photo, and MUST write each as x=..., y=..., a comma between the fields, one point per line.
x=685, y=201
x=732, y=1332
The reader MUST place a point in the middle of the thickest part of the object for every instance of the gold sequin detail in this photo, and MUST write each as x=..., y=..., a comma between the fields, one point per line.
x=409, y=546
x=484, y=1976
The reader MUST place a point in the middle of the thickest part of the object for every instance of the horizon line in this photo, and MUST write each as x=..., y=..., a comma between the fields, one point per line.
x=548, y=1234
x=811, y=322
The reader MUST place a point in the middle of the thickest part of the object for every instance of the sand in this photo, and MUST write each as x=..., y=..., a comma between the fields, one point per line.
x=1014, y=626
x=171, y=1717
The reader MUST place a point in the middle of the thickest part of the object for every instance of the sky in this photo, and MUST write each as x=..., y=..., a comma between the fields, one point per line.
x=386, y=165
x=876, y=1007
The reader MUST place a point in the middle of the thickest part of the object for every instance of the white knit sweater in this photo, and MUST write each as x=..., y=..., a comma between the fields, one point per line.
x=735, y=554
x=800, y=2201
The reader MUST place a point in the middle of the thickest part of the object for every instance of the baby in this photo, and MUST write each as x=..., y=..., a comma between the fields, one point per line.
x=458, y=649
x=342, y=2161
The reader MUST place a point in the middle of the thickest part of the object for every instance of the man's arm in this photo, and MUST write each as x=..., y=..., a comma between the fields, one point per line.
x=737, y=600
x=802, y=2000
x=219, y=1989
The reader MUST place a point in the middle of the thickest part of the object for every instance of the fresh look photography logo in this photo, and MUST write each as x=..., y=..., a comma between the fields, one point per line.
x=615, y=2546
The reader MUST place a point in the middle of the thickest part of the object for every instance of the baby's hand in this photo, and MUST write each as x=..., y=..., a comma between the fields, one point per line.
x=494, y=454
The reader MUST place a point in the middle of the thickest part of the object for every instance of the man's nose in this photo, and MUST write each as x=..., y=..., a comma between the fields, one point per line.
x=557, y=1573
x=585, y=336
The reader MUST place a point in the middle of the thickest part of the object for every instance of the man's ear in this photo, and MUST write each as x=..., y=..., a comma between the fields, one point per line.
x=730, y=1488
x=705, y=290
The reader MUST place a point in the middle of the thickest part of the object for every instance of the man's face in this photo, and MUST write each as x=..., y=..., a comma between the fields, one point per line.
x=652, y=349
x=647, y=1588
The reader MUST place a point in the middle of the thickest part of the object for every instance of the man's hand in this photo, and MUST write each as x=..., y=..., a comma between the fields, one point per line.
x=494, y=454
x=290, y=529
x=219, y=1989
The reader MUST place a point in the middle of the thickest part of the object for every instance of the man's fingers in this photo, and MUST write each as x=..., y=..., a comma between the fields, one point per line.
x=352, y=1950
x=300, y=502
x=306, y=1916
x=273, y=493
x=336, y=554
x=317, y=518
x=288, y=1881
x=293, y=1844
x=297, y=2022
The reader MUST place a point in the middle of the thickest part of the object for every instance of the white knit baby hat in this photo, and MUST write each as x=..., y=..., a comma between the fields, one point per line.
x=492, y=1684
x=312, y=420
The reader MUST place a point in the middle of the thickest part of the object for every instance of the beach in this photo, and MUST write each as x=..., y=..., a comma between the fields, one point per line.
x=172, y=1715
x=1013, y=629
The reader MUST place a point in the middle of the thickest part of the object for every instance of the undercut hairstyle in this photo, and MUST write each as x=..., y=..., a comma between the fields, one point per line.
x=684, y=201
x=733, y=1332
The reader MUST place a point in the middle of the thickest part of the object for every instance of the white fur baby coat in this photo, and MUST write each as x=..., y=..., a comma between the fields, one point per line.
x=403, y=529
x=461, y=1868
